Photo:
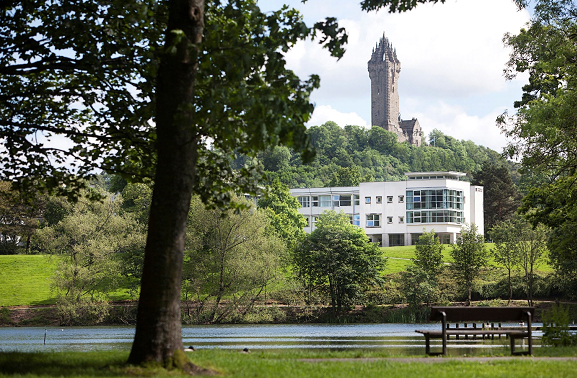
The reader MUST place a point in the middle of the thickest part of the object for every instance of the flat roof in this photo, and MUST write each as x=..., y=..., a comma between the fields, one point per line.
x=429, y=174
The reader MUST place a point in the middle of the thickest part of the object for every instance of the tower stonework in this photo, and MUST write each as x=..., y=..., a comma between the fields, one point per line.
x=384, y=69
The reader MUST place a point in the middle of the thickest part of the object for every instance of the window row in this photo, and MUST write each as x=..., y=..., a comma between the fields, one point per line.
x=436, y=216
x=379, y=199
x=374, y=220
x=329, y=201
x=371, y=220
x=435, y=199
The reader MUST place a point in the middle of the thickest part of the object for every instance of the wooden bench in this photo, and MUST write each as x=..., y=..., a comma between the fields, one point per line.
x=521, y=315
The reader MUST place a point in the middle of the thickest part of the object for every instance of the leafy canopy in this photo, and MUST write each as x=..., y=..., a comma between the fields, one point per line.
x=75, y=103
x=339, y=258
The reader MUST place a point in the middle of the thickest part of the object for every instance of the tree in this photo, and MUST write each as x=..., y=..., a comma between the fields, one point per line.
x=346, y=176
x=429, y=254
x=563, y=257
x=505, y=252
x=544, y=127
x=500, y=195
x=119, y=81
x=19, y=219
x=232, y=255
x=338, y=257
x=532, y=245
x=92, y=240
x=469, y=257
x=420, y=281
x=284, y=215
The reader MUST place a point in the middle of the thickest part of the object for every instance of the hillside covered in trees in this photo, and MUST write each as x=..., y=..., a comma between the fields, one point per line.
x=353, y=154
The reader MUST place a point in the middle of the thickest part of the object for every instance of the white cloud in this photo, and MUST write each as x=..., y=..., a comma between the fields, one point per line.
x=324, y=113
x=450, y=53
x=455, y=122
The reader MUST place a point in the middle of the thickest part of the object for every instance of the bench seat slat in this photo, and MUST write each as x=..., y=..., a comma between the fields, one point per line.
x=460, y=332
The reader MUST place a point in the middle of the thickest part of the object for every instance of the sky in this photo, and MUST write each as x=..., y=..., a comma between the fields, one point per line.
x=452, y=60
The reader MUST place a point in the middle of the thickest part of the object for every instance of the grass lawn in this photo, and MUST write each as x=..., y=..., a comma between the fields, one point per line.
x=25, y=279
x=401, y=258
x=286, y=363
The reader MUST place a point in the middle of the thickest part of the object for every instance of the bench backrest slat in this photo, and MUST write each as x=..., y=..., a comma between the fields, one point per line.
x=487, y=314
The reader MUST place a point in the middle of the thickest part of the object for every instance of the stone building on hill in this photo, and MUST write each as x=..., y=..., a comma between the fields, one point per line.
x=384, y=68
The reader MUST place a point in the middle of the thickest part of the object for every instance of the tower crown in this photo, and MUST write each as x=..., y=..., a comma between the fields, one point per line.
x=384, y=69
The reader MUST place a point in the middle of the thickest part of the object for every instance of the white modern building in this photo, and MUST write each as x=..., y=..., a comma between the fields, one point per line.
x=396, y=213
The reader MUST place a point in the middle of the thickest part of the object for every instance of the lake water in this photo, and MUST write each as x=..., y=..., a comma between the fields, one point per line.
x=399, y=338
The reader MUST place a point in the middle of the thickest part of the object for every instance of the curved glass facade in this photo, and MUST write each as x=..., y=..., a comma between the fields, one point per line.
x=439, y=205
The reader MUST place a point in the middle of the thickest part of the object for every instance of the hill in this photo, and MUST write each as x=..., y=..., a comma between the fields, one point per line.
x=346, y=156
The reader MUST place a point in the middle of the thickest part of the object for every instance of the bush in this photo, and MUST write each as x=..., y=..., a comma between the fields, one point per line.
x=556, y=327
x=82, y=312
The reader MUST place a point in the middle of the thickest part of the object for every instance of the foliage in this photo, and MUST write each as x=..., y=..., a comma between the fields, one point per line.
x=501, y=198
x=429, y=254
x=284, y=215
x=469, y=257
x=563, y=257
x=420, y=282
x=533, y=249
x=92, y=240
x=419, y=287
x=544, y=128
x=337, y=257
x=136, y=201
x=519, y=245
x=506, y=252
x=349, y=155
x=230, y=258
x=556, y=327
x=18, y=220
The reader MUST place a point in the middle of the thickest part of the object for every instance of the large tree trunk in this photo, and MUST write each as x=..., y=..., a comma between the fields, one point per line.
x=158, y=328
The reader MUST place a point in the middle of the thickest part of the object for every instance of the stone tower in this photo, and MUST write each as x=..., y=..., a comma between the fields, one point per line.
x=384, y=68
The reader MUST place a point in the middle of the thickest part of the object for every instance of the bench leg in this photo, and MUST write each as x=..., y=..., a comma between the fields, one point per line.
x=445, y=345
x=512, y=339
x=427, y=346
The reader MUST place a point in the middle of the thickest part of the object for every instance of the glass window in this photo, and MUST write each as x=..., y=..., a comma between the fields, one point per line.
x=336, y=200
x=401, y=199
x=373, y=220
x=304, y=201
x=389, y=220
x=345, y=200
x=396, y=240
x=379, y=199
x=356, y=199
x=389, y=199
x=315, y=201
x=325, y=201
x=367, y=200
x=355, y=219
x=401, y=219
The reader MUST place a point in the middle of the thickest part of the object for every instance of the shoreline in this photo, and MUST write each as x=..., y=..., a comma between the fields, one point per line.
x=124, y=314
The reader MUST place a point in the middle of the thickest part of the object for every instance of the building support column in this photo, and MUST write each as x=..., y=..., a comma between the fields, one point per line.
x=385, y=238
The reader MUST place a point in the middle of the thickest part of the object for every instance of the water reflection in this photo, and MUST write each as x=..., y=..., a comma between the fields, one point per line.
x=397, y=338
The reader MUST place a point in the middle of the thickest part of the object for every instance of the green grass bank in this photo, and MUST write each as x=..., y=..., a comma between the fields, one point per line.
x=294, y=363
